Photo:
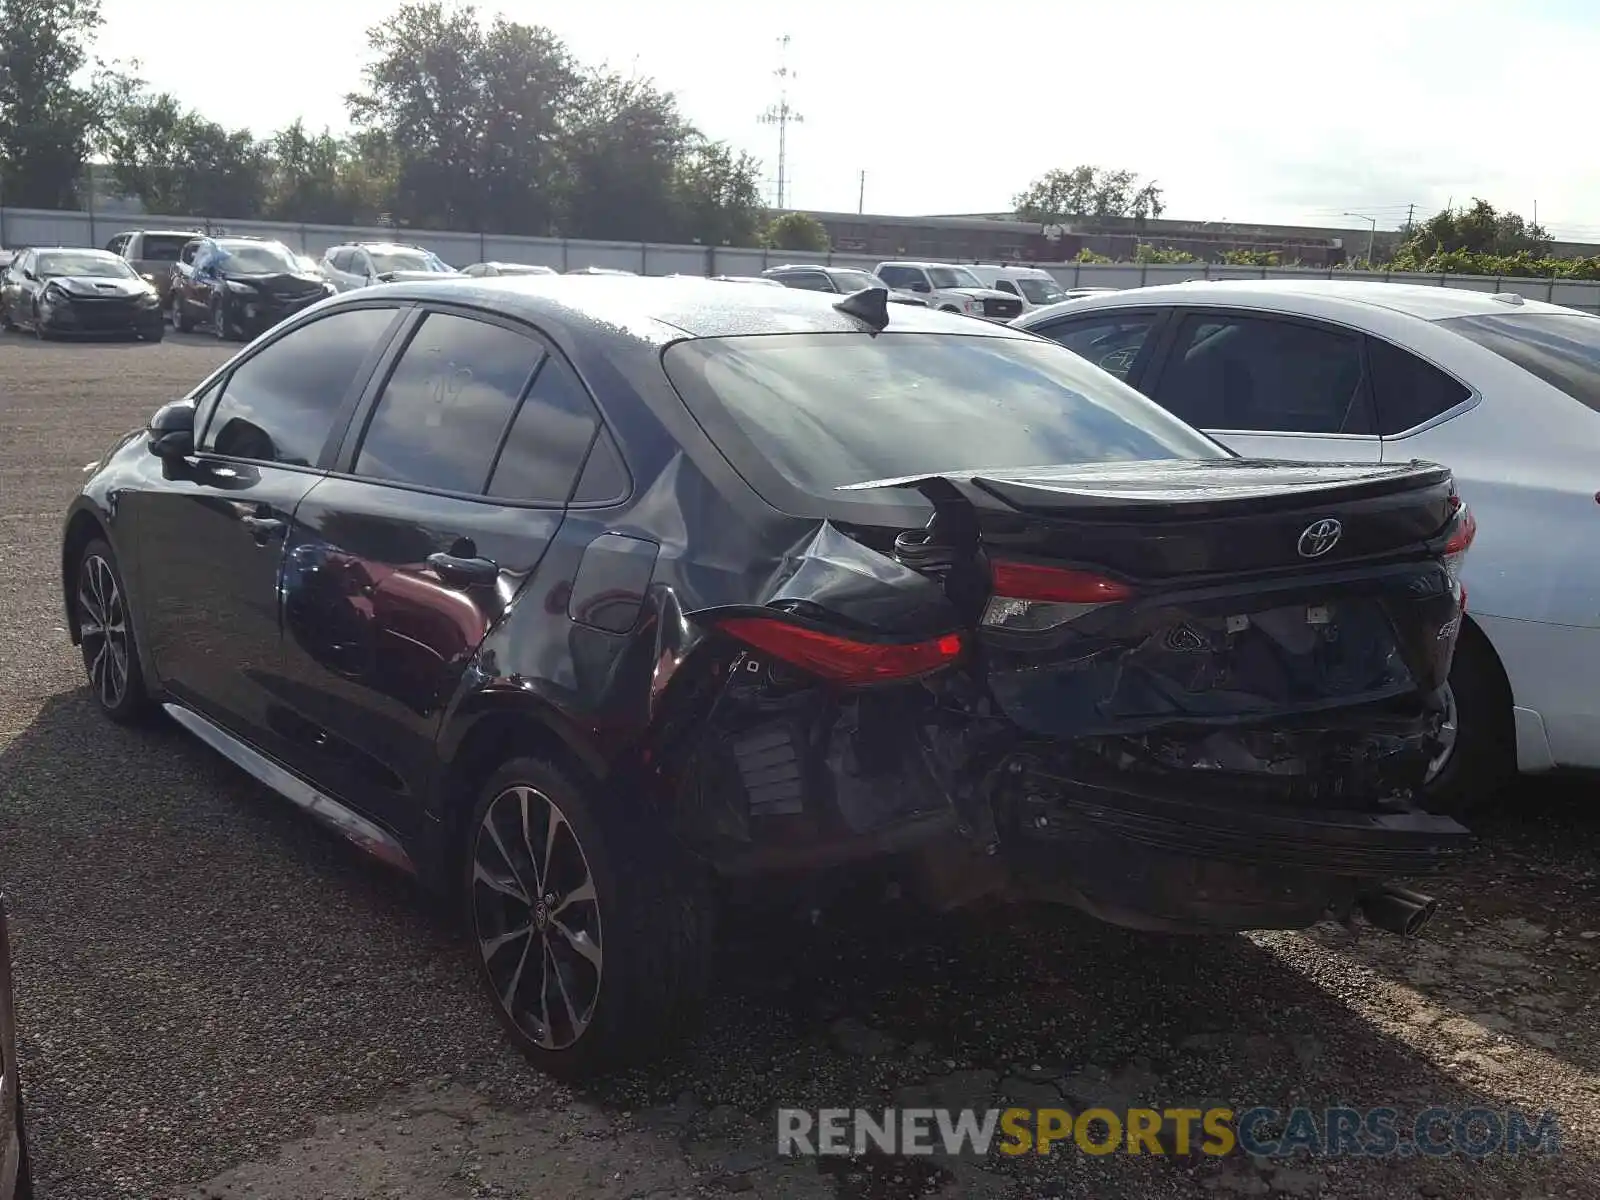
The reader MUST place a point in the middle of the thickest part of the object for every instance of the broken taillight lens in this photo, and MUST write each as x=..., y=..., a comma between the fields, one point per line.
x=841, y=659
x=1459, y=542
x=1034, y=596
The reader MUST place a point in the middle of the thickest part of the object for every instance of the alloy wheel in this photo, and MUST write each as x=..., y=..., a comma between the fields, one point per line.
x=103, y=628
x=1448, y=729
x=537, y=917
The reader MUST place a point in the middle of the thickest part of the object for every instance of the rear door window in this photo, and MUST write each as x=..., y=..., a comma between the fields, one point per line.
x=1560, y=348
x=1407, y=391
x=443, y=413
x=1265, y=375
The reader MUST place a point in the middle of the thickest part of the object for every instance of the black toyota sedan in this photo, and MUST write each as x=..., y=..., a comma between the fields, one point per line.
x=579, y=599
x=70, y=292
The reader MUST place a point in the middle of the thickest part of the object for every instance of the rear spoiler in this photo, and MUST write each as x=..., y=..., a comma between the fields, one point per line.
x=1148, y=490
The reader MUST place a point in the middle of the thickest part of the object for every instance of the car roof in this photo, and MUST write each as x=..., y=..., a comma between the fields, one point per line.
x=1429, y=302
x=661, y=310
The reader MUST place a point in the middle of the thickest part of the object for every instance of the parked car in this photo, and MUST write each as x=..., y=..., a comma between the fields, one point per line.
x=151, y=253
x=240, y=286
x=16, y=1176
x=1034, y=286
x=1503, y=390
x=951, y=289
x=72, y=292
x=840, y=280
x=362, y=264
x=573, y=599
x=493, y=269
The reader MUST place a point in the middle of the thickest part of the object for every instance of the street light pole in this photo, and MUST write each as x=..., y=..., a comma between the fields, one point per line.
x=1372, y=235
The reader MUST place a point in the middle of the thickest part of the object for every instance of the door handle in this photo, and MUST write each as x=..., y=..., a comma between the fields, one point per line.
x=262, y=528
x=462, y=571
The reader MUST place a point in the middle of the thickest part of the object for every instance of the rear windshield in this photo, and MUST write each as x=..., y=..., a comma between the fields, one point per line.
x=159, y=247
x=1560, y=348
x=831, y=409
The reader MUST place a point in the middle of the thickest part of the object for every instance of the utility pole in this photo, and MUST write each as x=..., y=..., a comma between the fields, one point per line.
x=1410, y=211
x=861, y=196
x=781, y=115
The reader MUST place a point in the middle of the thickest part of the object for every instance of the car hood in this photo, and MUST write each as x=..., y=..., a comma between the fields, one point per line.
x=980, y=293
x=95, y=285
x=413, y=276
x=298, y=281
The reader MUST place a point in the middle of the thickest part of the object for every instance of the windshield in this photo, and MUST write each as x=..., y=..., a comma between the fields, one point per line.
x=84, y=263
x=952, y=277
x=826, y=410
x=1042, y=291
x=856, y=281
x=256, y=258
x=1560, y=348
x=385, y=261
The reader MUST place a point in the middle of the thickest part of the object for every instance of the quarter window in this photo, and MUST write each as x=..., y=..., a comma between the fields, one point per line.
x=280, y=405
x=549, y=440
x=443, y=412
x=1406, y=390
x=1255, y=373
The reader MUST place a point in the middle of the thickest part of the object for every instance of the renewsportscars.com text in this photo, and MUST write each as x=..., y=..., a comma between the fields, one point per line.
x=1260, y=1131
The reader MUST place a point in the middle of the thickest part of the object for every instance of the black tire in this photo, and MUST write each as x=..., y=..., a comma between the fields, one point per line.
x=106, y=637
x=155, y=335
x=6, y=322
x=181, y=320
x=635, y=958
x=39, y=330
x=1483, y=758
x=950, y=308
x=219, y=321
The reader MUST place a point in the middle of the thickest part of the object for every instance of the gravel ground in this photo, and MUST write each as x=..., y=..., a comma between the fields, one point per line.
x=217, y=999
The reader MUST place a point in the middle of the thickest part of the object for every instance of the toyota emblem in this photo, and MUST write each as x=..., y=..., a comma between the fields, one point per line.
x=1320, y=537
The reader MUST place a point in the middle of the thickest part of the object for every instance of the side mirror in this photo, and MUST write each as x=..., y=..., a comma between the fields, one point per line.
x=27, y=273
x=171, y=430
x=921, y=286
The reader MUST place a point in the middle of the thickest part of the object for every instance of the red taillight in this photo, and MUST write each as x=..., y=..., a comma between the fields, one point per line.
x=1029, y=597
x=1059, y=585
x=1466, y=529
x=1457, y=545
x=844, y=660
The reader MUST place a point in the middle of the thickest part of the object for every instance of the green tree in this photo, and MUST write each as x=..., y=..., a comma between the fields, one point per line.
x=324, y=179
x=1087, y=191
x=46, y=118
x=423, y=91
x=1476, y=229
x=797, y=231
x=175, y=161
x=624, y=147
x=718, y=196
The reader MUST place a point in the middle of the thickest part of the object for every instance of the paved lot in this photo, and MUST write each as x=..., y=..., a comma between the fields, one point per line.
x=218, y=1000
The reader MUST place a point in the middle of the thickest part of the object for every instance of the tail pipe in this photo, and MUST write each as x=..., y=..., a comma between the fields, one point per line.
x=1397, y=910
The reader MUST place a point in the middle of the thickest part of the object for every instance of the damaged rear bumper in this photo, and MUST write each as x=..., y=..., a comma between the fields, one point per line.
x=1156, y=862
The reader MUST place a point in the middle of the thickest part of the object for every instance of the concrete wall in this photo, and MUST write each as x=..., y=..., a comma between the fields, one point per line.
x=26, y=227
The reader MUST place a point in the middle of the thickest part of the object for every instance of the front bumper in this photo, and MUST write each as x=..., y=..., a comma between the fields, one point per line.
x=101, y=318
x=254, y=314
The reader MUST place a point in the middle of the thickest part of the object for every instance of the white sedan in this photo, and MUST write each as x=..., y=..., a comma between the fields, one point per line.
x=1504, y=391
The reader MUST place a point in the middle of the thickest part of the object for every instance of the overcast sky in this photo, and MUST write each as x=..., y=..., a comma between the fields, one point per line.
x=1296, y=111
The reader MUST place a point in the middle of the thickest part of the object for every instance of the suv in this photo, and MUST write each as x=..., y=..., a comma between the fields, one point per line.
x=152, y=253
x=813, y=277
x=361, y=264
x=950, y=289
x=241, y=285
